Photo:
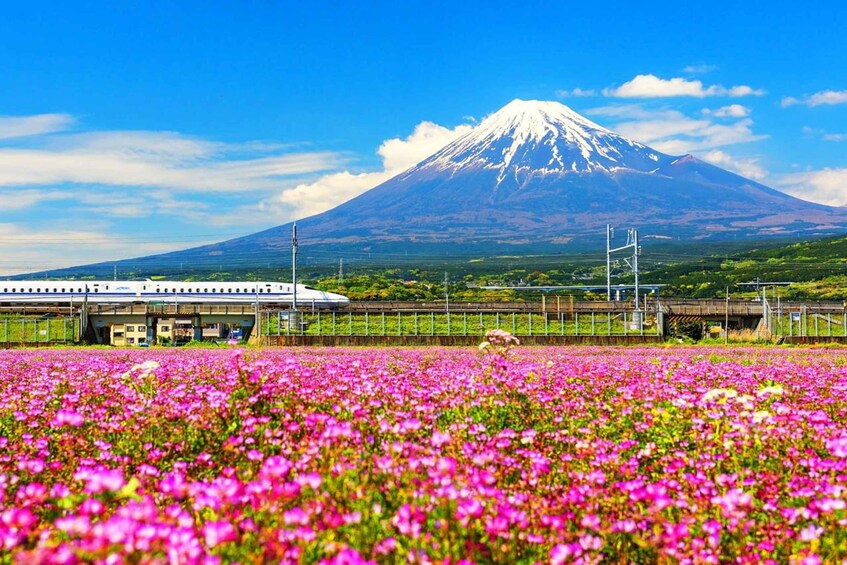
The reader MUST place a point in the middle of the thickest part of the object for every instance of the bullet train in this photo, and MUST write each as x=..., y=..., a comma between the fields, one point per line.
x=165, y=292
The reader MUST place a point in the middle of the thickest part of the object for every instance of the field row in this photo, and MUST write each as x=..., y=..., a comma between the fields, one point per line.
x=493, y=456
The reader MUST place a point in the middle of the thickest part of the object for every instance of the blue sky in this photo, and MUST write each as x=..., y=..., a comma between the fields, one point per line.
x=129, y=128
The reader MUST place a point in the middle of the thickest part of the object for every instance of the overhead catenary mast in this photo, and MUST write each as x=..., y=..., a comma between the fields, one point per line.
x=294, y=267
x=609, y=231
x=632, y=262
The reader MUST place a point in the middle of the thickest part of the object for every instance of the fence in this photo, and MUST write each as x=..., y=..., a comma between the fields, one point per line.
x=807, y=321
x=441, y=323
x=37, y=330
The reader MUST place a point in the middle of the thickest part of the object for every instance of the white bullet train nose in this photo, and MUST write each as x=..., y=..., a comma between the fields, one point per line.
x=336, y=299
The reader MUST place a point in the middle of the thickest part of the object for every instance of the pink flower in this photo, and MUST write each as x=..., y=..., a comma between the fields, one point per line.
x=408, y=521
x=218, y=532
x=68, y=418
x=386, y=546
x=838, y=447
x=101, y=480
x=276, y=467
x=561, y=554
x=312, y=480
x=295, y=516
x=468, y=508
x=439, y=439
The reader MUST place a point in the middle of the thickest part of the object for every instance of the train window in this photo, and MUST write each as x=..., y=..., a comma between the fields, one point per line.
x=37, y=290
x=63, y=290
x=230, y=291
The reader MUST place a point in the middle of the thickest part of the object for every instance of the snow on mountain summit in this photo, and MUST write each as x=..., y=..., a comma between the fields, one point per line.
x=531, y=136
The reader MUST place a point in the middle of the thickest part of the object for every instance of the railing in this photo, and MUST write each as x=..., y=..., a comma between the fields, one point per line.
x=443, y=323
x=35, y=330
x=801, y=320
x=172, y=309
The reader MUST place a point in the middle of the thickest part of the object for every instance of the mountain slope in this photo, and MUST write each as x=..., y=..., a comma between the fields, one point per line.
x=537, y=177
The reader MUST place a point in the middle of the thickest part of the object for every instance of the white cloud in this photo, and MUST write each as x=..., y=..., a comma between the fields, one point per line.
x=576, y=93
x=24, y=249
x=153, y=159
x=684, y=135
x=748, y=167
x=827, y=186
x=633, y=112
x=651, y=86
x=699, y=69
x=730, y=111
x=21, y=199
x=823, y=134
x=24, y=126
x=828, y=97
x=331, y=190
x=824, y=97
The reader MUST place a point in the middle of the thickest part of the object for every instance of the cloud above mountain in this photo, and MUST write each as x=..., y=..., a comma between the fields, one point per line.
x=671, y=131
x=651, y=86
x=826, y=186
x=398, y=154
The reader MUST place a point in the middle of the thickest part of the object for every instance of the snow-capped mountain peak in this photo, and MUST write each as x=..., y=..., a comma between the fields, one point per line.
x=543, y=137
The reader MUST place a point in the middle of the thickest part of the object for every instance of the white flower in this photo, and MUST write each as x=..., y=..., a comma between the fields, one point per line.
x=715, y=393
x=760, y=416
x=775, y=390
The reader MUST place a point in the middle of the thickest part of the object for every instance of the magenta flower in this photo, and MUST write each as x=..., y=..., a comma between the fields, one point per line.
x=218, y=532
x=838, y=447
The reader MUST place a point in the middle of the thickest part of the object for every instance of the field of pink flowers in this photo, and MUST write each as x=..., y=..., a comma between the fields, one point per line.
x=551, y=455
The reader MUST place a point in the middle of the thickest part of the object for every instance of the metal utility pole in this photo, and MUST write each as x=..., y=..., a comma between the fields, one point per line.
x=609, y=231
x=447, y=301
x=341, y=270
x=116, y=272
x=726, y=322
x=294, y=267
x=635, y=253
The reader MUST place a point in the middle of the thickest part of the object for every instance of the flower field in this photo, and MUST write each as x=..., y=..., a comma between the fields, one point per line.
x=550, y=455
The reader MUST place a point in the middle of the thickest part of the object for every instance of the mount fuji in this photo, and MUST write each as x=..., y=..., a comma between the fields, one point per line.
x=536, y=177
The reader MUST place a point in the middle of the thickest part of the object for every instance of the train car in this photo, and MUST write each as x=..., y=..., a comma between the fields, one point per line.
x=165, y=292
